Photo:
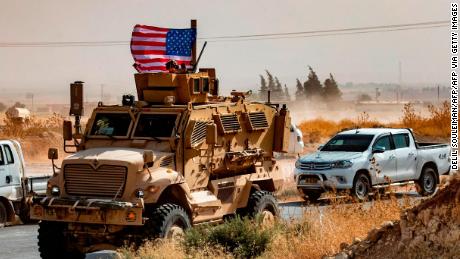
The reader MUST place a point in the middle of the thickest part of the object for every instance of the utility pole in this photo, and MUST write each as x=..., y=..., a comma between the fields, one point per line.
x=102, y=93
x=398, y=91
x=438, y=93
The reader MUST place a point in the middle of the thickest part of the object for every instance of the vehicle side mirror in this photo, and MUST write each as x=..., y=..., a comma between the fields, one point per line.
x=211, y=134
x=377, y=149
x=148, y=157
x=53, y=153
x=67, y=130
x=320, y=147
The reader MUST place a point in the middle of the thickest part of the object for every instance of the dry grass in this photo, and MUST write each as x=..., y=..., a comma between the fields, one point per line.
x=36, y=135
x=320, y=232
x=329, y=228
x=436, y=125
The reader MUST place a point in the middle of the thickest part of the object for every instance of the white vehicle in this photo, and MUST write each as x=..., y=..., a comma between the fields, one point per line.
x=15, y=188
x=296, y=144
x=361, y=160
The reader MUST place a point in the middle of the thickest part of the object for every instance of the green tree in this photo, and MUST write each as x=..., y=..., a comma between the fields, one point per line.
x=286, y=93
x=263, y=85
x=299, y=93
x=331, y=90
x=312, y=87
x=271, y=81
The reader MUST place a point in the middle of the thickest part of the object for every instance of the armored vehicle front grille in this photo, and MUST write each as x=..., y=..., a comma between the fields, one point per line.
x=315, y=165
x=105, y=181
x=257, y=120
x=198, y=132
x=228, y=123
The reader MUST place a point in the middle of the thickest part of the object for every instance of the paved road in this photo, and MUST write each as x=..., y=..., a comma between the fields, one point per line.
x=20, y=241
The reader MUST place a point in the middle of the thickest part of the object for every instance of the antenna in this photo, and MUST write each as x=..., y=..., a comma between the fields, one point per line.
x=195, y=65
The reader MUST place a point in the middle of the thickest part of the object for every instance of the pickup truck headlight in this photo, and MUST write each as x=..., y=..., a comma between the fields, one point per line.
x=297, y=164
x=342, y=164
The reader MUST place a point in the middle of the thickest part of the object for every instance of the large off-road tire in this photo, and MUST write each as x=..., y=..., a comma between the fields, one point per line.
x=311, y=196
x=361, y=187
x=263, y=203
x=428, y=182
x=24, y=215
x=3, y=214
x=53, y=244
x=167, y=221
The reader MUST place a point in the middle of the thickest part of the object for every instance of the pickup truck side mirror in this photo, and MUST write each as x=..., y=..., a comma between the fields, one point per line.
x=378, y=149
x=211, y=134
x=320, y=147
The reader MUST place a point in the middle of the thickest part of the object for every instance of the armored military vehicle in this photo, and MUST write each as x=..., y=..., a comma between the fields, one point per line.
x=178, y=156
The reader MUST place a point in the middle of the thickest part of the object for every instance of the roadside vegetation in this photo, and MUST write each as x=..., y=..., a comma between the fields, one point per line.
x=435, y=126
x=318, y=232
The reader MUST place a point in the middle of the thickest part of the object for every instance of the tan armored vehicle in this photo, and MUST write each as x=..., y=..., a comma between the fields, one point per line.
x=179, y=156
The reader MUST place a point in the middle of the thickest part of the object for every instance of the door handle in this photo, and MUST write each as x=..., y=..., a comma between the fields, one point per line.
x=392, y=157
x=411, y=154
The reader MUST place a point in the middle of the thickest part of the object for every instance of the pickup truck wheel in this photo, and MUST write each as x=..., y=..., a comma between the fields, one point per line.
x=361, y=187
x=3, y=214
x=53, y=244
x=167, y=221
x=263, y=203
x=427, y=183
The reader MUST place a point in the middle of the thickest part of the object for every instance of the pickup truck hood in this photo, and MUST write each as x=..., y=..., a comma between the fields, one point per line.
x=129, y=155
x=327, y=156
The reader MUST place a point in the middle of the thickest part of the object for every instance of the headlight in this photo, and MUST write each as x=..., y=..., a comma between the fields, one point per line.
x=55, y=191
x=342, y=164
x=140, y=194
x=297, y=164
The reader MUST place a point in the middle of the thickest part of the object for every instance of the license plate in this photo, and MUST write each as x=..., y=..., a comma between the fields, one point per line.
x=309, y=180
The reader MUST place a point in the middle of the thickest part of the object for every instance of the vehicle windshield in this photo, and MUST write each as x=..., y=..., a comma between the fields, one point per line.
x=155, y=125
x=111, y=124
x=348, y=143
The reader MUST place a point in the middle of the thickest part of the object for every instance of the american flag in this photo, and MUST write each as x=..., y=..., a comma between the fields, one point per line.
x=152, y=47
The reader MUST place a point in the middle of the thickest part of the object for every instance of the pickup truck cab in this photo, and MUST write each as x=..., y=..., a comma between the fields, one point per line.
x=15, y=187
x=362, y=160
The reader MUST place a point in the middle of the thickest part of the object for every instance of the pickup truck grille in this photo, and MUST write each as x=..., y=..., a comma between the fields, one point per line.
x=105, y=181
x=315, y=165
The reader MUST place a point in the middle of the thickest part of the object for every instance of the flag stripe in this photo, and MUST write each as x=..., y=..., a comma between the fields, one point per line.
x=163, y=48
x=148, y=43
x=168, y=57
x=149, y=35
x=161, y=60
x=152, y=28
x=135, y=38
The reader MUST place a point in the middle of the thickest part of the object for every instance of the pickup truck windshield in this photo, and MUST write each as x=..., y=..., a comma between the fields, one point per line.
x=348, y=143
x=111, y=124
x=155, y=125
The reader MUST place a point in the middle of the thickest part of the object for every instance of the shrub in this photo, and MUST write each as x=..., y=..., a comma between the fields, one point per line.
x=241, y=237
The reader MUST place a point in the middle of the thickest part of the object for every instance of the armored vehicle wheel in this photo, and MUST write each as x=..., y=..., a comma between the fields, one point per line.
x=428, y=182
x=167, y=221
x=361, y=187
x=53, y=244
x=3, y=214
x=263, y=203
x=312, y=196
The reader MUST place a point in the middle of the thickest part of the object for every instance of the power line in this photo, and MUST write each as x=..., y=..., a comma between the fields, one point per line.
x=251, y=37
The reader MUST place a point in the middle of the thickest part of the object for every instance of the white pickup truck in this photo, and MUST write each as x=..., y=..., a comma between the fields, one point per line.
x=364, y=160
x=15, y=188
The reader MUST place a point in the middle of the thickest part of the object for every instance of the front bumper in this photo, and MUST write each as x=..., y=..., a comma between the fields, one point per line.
x=323, y=180
x=90, y=211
